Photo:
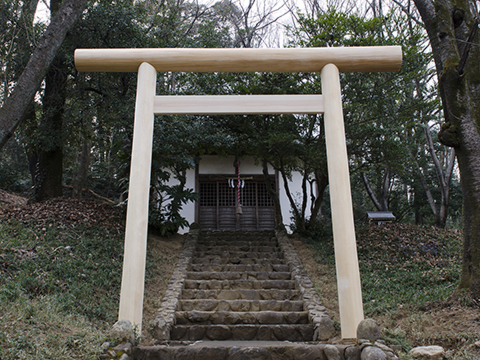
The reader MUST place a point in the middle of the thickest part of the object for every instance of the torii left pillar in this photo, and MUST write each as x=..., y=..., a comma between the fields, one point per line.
x=133, y=282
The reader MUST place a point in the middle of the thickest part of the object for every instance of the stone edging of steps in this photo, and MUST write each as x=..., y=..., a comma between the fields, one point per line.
x=166, y=315
x=317, y=314
x=165, y=320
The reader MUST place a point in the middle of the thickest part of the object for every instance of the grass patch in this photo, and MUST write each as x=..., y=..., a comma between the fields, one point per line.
x=36, y=328
x=410, y=275
x=60, y=275
x=402, y=265
x=59, y=289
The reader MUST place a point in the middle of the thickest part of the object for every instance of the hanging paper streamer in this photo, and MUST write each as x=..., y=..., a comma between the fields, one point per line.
x=232, y=184
x=239, y=186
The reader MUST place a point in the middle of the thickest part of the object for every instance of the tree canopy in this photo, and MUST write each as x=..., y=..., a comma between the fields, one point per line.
x=76, y=128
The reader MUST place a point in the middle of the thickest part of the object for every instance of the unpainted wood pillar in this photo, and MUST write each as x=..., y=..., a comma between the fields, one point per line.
x=133, y=277
x=346, y=259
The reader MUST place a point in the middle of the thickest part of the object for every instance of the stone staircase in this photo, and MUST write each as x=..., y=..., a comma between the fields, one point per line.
x=239, y=287
x=234, y=290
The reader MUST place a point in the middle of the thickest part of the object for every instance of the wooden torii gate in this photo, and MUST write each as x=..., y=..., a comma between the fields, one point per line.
x=328, y=61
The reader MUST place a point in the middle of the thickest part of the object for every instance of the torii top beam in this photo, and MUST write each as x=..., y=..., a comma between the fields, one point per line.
x=347, y=59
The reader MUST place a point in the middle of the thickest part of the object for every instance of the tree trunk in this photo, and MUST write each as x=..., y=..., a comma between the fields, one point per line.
x=304, y=194
x=49, y=172
x=273, y=194
x=299, y=219
x=426, y=189
x=370, y=192
x=428, y=193
x=49, y=169
x=16, y=105
x=446, y=194
x=385, y=191
x=381, y=205
x=443, y=179
x=451, y=28
x=25, y=38
x=81, y=177
x=322, y=182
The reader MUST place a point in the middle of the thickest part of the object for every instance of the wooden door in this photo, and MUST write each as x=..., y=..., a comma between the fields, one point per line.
x=218, y=202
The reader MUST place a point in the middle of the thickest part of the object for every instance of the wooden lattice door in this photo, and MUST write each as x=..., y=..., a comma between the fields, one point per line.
x=218, y=201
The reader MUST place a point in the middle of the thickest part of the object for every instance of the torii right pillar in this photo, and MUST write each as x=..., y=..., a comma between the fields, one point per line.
x=346, y=259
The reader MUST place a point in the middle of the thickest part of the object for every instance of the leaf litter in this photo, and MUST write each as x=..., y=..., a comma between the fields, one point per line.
x=65, y=211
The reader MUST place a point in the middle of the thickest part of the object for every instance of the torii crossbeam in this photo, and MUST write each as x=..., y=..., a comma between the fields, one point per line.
x=328, y=61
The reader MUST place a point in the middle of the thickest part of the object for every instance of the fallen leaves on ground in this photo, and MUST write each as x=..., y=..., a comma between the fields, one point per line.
x=66, y=211
x=7, y=199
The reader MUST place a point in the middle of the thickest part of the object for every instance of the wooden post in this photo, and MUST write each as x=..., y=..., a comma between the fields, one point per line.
x=346, y=259
x=133, y=278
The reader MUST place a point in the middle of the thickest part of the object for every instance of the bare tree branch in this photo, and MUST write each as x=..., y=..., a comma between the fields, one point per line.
x=370, y=192
x=438, y=167
x=408, y=13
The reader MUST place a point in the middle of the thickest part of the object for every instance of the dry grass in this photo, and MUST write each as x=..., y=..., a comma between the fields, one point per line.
x=162, y=257
x=322, y=276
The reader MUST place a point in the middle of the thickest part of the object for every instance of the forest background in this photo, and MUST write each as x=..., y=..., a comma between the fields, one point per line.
x=74, y=130
x=77, y=132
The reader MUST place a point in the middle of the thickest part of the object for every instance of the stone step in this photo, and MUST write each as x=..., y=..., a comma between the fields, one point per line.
x=239, y=284
x=252, y=241
x=225, y=350
x=241, y=294
x=232, y=254
x=230, y=239
x=238, y=268
x=235, y=318
x=240, y=305
x=233, y=275
x=234, y=234
x=236, y=261
x=243, y=332
x=226, y=245
x=221, y=248
x=240, y=240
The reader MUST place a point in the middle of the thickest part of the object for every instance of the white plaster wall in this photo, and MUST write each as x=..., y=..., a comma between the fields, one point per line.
x=188, y=210
x=213, y=164
x=295, y=186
